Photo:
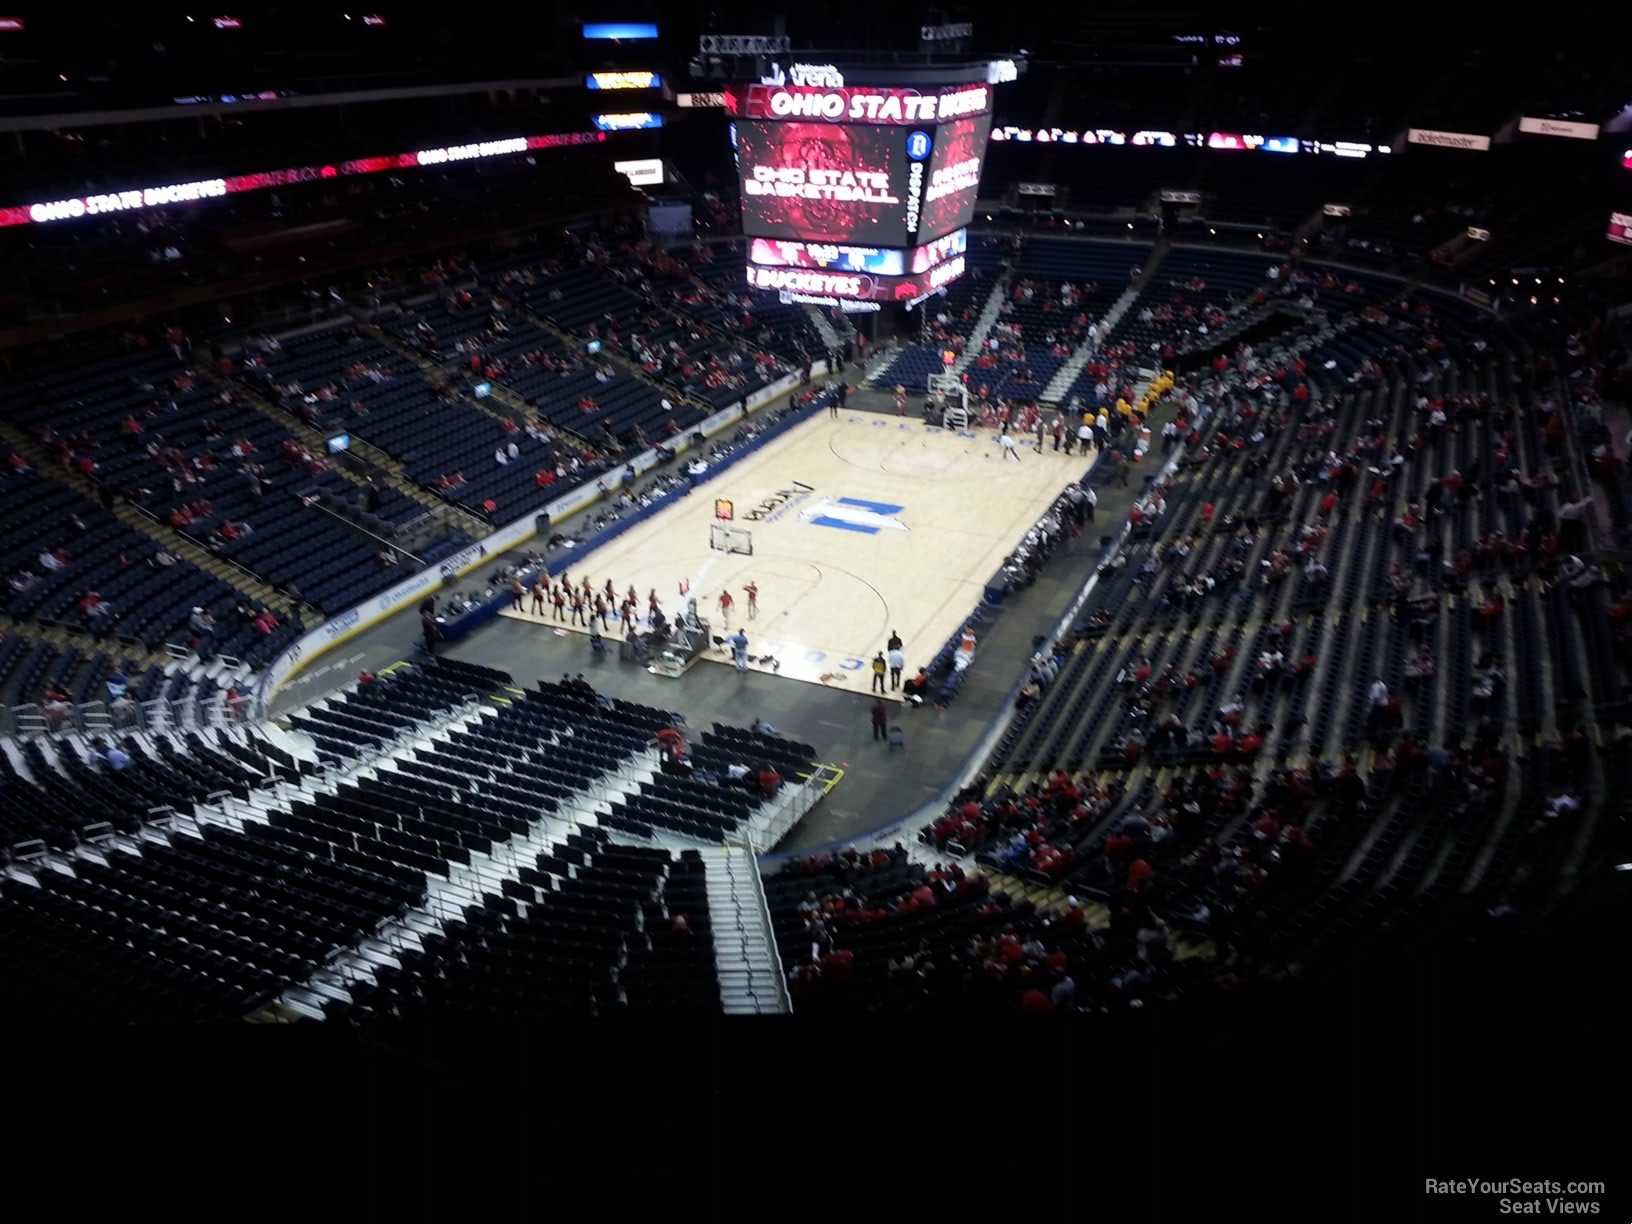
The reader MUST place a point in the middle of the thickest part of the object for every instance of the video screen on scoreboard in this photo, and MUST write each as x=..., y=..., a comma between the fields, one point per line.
x=954, y=176
x=823, y=182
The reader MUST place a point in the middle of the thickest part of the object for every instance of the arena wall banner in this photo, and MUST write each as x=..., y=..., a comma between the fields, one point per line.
x=370, y=612
x=1035, y=189
x=1620, y=228
x=1448, y=140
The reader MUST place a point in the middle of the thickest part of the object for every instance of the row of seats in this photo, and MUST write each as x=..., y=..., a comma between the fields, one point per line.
x=1243, y=672
x=589, y=928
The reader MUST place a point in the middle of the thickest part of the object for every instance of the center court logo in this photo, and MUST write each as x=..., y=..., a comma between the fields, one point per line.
x=854, y=514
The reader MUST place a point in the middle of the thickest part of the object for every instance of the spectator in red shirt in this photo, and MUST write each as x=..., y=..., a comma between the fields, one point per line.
x=1035, y=1000
x=671, y=743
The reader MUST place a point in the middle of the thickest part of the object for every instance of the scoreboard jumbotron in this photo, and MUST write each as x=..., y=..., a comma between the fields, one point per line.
x=855, y=191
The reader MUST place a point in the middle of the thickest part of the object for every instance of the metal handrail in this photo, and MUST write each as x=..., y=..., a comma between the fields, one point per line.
x=249, y=574
x=317, y=503
x=764, y=906
x=156, y=714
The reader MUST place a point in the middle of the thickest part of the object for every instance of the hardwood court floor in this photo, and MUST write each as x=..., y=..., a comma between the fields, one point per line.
x=867, y=523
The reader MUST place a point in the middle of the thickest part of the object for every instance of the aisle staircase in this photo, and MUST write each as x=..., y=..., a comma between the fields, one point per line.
x=618, y=357
x=983, y=325
x=488, y=404
x=824, y=328
x=461, y=885
x=745, y=954
x=387, y=466
x=1060, y=384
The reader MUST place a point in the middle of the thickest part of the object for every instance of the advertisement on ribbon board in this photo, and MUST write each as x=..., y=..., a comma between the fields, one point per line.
x=1558, y=127
x=623, y=80
x=630, y=121
x=642, y=171
x=1448, y=140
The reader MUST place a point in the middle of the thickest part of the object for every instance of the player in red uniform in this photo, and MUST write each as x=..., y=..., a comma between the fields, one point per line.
x=725, y=607
x=752, y=591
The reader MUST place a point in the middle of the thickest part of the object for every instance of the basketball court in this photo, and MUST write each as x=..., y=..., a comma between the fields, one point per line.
x=857, y=525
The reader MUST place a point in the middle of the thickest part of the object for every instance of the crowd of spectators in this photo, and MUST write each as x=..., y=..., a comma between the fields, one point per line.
x=875, y=929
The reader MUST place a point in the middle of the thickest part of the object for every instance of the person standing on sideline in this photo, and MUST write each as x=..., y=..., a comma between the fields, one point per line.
x=1042, y=433
x=880, y=716
x=1085, y=433
x=1009, y=448
x=725, y=608
x=897, y=661
x=895, y=640
x=538, y=594
x=1089, y=501
x=900, y=400
x=560, y=603
x=752, y=591
x=578, y=609
x=834, y=402
x=427, y=626
x=738, y=642
x=844, y=393
x=599, y=612
x=1058, y=430
x=516, y=592
x=879, y=667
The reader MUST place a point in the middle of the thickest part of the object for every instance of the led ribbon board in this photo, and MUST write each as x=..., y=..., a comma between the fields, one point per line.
x=857, y=105
x=130, y=199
